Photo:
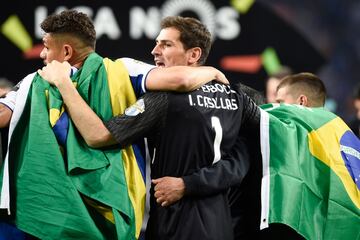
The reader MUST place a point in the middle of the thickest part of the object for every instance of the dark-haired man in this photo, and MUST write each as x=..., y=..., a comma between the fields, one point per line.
x=308, y=90
x=303, y=89
x=187, y=33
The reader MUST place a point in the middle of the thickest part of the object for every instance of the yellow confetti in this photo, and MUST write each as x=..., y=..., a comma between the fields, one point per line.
x=242, y=6
x=15, y=31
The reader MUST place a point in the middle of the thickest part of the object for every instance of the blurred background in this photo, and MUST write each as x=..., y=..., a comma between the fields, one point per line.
x=252, y=38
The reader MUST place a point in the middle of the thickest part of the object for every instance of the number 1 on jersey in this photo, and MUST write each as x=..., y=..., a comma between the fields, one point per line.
x=216, y=125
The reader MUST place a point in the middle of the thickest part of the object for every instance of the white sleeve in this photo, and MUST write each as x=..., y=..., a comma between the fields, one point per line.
x=138, y=71
x=9, y=100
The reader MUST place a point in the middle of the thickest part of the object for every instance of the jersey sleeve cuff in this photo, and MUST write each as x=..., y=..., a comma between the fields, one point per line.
x=9, y=100
x=191, y=188
x=144, y=88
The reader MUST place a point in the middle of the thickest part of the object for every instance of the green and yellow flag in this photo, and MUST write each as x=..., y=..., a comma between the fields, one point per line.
x=311, y=172
x=61, y=188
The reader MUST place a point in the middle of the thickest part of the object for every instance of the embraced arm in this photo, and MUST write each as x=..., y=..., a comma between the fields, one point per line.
x=182, y=78
x=122, y=129
x=227, y=172
x=90, y=126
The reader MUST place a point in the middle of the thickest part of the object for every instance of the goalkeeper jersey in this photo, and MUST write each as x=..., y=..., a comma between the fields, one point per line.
x=188, y=132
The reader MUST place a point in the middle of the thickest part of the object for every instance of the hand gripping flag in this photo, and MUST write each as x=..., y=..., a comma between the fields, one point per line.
x=311, y=172
x=85, y=194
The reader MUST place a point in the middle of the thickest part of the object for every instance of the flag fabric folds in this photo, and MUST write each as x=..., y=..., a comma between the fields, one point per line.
x=311, y=172
x=85, y=193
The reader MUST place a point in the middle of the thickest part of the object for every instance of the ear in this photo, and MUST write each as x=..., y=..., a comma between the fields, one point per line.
x=303, y=100
x=68, y=52
x=194, y=55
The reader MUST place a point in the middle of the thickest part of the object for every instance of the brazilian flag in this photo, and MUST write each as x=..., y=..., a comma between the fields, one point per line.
x=311, y=172
x=60, y=187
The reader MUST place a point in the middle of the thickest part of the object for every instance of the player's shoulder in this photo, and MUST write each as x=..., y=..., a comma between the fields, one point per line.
x=132, y=61
x=136, y=67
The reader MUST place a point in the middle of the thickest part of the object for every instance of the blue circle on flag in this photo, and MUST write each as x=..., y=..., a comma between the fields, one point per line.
x=350, y=152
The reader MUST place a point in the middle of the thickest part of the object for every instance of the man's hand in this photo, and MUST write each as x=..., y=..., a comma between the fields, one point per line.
x=168, y=190
x=203, y=75
x=220, y=77
x=55, y=72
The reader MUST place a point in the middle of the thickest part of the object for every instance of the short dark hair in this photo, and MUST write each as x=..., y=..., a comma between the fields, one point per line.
x=308, y=84
x=192, y=34
x=71, y=22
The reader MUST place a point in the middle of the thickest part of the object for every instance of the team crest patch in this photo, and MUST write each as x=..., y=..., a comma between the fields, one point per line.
x=136, y=108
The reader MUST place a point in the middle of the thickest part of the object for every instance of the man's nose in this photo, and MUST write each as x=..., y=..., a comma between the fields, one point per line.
x=43, y=54
x=155, y=50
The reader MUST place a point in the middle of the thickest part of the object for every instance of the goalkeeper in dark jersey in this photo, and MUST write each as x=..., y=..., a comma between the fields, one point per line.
x=188, y=132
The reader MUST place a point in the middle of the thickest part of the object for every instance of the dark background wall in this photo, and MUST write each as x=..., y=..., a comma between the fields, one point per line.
x=332, y=27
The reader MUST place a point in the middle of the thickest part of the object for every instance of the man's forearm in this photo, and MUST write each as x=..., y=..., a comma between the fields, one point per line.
x=204, y=182
x=86, y=121
x=182, y=78
x=213, y=180
x=228, y=172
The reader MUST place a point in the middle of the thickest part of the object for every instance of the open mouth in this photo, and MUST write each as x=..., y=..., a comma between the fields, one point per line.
x=159, y=63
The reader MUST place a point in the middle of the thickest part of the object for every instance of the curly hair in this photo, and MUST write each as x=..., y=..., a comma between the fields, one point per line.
x=71, y=22
x=192, y=34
